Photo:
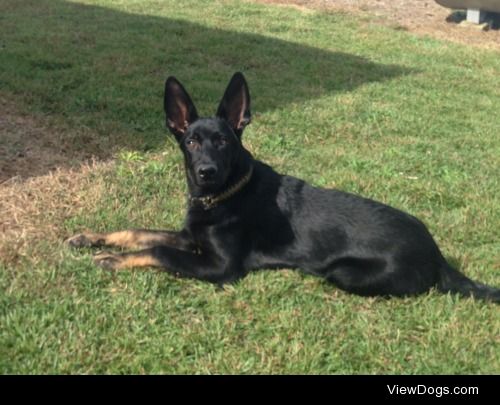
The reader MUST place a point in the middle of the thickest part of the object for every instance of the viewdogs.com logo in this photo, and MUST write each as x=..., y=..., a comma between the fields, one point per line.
x=438, y=392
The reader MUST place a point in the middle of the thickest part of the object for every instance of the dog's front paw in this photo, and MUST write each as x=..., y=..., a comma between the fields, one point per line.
x=82, y=240
x=108, y=261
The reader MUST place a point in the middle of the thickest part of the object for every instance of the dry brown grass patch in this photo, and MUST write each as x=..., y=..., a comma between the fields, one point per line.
x=42, y=179
x=35, y=209
x=39, y=188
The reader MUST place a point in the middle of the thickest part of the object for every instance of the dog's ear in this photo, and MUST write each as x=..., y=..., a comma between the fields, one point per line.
x=179, y=108
x=235, y=104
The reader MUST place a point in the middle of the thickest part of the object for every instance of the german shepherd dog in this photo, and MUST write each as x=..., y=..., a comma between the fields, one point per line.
x=244, y=216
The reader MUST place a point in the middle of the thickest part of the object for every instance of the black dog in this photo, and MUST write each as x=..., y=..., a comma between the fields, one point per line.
x=243, y=216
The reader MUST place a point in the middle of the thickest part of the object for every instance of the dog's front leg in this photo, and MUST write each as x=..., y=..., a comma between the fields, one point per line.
x=132, y=239
x=179, y=262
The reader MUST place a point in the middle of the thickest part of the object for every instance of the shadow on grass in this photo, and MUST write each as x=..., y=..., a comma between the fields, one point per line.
x=104, y=69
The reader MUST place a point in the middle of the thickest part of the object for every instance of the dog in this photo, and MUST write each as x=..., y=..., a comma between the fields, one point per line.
x=244, y=216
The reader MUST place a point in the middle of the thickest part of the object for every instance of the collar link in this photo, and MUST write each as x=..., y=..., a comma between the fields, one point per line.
x=210, y=201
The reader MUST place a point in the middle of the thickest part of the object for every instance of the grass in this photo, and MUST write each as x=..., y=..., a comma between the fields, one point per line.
x=338, y=101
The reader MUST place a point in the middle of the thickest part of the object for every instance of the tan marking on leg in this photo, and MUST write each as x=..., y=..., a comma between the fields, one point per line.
x=130, y=239
x=126, y=239
x=113, y=261
x=139, y=261
x=134, y=239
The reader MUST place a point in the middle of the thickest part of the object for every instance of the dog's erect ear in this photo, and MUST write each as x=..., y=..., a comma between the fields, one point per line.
x=179, y=108
x=235, y=104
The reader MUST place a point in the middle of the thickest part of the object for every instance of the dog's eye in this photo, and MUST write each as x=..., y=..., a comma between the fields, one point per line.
x=191, y=143
x=223, y=141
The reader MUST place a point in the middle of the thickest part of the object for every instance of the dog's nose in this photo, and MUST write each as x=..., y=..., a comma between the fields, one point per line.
x=206, y=172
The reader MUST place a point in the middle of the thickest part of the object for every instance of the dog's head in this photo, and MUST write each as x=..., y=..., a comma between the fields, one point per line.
x=210, y=145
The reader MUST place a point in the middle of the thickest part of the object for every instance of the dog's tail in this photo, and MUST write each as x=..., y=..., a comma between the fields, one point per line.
x=453, y=281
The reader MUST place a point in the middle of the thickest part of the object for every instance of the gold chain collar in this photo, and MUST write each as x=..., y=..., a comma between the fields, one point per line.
x=210, y=201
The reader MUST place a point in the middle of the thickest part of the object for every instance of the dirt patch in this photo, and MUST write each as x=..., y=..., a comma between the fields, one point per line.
x=42, y=180
x=418, y=16
x=33, y=146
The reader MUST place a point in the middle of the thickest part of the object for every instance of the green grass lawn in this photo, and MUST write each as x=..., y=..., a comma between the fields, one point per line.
x=337, y=100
